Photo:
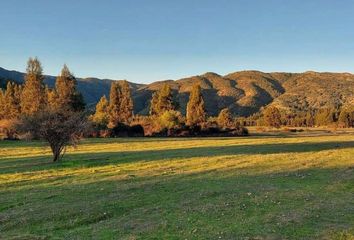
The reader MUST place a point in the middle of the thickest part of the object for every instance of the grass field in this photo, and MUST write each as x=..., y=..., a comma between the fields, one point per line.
x=263, y=187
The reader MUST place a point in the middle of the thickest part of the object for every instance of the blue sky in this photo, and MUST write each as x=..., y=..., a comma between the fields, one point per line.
x=149, y=40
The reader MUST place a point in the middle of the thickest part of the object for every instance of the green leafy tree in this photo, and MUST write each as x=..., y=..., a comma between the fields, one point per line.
x=162, y=101
x=272, y=117
x=170, y=119
x=196, y=114
x=225, y=119
x=33, y=93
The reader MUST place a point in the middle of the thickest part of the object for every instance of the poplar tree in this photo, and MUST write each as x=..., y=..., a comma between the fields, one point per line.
x=196, y=114
x=126, y=103
x=33, y=94
x=162, y=101
x=11, y=101
x=101, y=116
x=114, y=105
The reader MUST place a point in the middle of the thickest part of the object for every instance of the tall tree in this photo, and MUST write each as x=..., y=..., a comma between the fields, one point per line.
x=196, y=114
x=67, y=95
x=162, y=101
x=11, y=101
x=272, y=117
x=101, y=116
x=33, y=94
x=114, y=105
x=126, y=103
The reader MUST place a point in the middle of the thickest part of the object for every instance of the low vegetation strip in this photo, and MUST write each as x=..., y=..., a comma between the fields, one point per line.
x=263, y=187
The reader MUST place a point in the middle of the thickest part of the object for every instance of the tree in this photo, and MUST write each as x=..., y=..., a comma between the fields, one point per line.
x=272, y=117
x=66, y=93
x=114, y=105
x=11, y=101
x=196, y=114
x=225, y=119
x=324, y=116
x=126, y=103
x=346, y=117
x=59, y=128
x=162, y=101
x=101, y=116
x=170, y=119
x=33, y=94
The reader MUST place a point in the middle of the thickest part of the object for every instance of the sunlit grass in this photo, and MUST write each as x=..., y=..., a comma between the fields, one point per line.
x=266, y=187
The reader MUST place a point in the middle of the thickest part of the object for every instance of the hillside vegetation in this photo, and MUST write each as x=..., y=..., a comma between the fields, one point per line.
x=244, y=93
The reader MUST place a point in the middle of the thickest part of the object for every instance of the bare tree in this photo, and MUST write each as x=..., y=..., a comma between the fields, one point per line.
x=58, y=128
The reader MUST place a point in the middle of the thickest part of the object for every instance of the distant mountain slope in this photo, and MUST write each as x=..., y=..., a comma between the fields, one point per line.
x=244, y=92
x=91, y=88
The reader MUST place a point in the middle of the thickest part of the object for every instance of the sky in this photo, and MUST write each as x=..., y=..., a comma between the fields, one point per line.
x=149, y=40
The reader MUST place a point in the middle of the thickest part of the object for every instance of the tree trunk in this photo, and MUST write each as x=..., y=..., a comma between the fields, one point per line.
x=56, y=155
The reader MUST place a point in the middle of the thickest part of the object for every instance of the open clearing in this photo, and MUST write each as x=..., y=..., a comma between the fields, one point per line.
x=275, y=187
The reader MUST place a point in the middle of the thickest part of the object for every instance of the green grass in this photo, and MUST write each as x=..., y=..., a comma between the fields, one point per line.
x=198, y=188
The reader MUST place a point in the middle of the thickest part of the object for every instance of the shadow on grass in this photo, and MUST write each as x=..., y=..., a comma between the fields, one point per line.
x=303, y=204
x=99, y=159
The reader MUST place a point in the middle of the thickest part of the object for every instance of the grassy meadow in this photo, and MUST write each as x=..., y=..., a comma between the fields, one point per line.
x=258, y=187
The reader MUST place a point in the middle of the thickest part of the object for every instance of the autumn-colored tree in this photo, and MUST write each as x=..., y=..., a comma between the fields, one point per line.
x=66, y=93
x=162, y=101
x=346, y=117
x=11, y=101
x=225, y=119
x=2, y=103
x=196, y=114
x=114, y=105
x=33, y=93
x=101, y=116
x=272, y=117
x=126, y=103
x=324, y=116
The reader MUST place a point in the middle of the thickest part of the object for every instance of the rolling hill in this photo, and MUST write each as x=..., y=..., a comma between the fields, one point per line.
x=244, y=92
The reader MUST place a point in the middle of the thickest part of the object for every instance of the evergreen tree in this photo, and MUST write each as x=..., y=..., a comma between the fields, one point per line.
x=66, y=94
x=114, y=105
x=162, y=101
x=272, y=117
x=101, y=116
x=126, y=103
x=33, y=94
x=196, y=114
x=225, y=119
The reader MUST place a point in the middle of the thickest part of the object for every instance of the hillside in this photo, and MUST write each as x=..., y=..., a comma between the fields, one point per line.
x=244, y=92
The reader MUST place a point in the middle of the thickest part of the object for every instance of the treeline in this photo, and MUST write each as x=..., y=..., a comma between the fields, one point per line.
x=272, y=116
x=114, y=116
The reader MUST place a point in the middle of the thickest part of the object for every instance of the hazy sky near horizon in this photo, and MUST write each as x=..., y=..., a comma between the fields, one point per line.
x=144, y=41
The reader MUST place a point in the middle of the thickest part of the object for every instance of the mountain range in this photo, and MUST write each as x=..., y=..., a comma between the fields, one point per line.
x=244, y=92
